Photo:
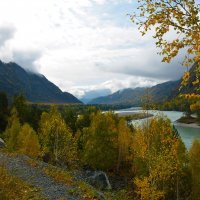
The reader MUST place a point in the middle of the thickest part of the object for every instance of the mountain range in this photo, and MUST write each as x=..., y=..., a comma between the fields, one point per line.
x=35, y=87
x=158, y=93
x=134, y=96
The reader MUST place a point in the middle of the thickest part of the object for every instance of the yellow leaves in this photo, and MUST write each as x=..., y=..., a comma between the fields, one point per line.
x=28, y=142
x=146, y=191
x=185, y=78
x=191, y=96
x=162, y=156
x=195, y=107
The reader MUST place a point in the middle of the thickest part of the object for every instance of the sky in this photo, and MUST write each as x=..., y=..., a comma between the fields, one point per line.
x=82, y=45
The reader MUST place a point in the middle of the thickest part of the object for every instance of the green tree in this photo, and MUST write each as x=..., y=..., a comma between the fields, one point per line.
x=19, y=102
x=3, y=111
x=28, y=142
x=70, y=117
x=195, y=169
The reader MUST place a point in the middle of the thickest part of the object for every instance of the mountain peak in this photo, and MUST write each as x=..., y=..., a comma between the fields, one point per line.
x=36, y=87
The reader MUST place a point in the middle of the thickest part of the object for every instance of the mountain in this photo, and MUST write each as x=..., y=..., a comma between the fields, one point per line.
x=92, y=94
x=190, y=87
x=36, y=88
x=133, y=97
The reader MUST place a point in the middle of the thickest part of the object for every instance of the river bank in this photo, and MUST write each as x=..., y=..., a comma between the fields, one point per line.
x=134, y=115
x=191, y=125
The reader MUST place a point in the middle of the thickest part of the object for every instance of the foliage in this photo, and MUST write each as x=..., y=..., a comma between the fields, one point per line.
x=100, y=142
x=195, y=169
x=3, y=111
x=12, y=131
x=196, y=108
x=56, y=138
x=160, y=161
x=125, y=140
x=118, y=195
x=28, y=141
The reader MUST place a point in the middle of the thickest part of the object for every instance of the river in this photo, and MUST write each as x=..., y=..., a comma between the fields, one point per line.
x=188, y=134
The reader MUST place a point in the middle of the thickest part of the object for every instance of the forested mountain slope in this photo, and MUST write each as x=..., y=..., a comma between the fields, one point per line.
x=36, y=87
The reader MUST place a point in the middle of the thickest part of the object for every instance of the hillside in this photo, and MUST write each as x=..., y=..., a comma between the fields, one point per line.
x=36, y=87
x=133, y=97
x=190, y=88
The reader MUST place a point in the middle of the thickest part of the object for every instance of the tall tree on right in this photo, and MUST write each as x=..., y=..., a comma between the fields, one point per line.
x=180, y=17
x=195, y=169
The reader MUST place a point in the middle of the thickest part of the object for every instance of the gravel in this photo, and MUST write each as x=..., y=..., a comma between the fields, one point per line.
x=50, y=189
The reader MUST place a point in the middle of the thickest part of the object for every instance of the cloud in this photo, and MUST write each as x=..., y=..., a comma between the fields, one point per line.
x=7, y=32
x=28, y=59
x=141, y=62
x=81, y=45
x=112, y=86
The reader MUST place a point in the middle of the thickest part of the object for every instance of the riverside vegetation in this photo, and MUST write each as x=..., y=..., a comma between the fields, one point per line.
x=151, y=160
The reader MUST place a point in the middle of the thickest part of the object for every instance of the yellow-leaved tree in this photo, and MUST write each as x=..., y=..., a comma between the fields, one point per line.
x=12, y=131
x=56, y=138
x=195, y=169
x=182, y=17
x=28, y=142
x=160, y=162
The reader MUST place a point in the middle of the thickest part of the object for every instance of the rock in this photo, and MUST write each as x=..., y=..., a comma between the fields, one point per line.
x=2, y=143
x=99, y=180
x=100, y=195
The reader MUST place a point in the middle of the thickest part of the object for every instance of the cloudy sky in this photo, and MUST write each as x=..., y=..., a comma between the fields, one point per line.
x=81, y=45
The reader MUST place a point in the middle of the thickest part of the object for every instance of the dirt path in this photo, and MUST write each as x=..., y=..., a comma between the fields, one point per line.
x=50, y=189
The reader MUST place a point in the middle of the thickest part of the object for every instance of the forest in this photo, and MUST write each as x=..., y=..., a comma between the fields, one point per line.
x=151, y=159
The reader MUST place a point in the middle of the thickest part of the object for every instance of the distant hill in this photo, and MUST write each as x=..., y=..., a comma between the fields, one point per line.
x=36, y=88
x=92, y=94
x=190, y=88
x=133, y=97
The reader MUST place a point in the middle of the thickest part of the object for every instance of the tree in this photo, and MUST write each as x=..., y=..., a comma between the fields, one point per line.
x=160, y=162
x=99, y=142
x=124, y=145
x=56, y=138
x=3, y=111
x=12, y=131
x=180, y=17
x=195, y=169
x=28, y=142
x=20, y=104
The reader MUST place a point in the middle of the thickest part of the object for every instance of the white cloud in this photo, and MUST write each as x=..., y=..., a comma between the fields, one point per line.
x=114, y=85
x=81, y=45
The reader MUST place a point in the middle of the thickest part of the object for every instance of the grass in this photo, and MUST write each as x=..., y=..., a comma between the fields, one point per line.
x=119, y=195
x=81, y=188
x=59, y=175
x=13, y=188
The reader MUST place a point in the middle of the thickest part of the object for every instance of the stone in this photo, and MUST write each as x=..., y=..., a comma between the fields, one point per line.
x=99, y=179
x=2, y=143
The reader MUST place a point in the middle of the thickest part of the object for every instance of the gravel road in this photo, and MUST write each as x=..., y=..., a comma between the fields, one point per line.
x=50, y=189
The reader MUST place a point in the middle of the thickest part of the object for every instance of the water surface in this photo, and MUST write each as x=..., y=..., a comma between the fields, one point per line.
x=188, y=134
